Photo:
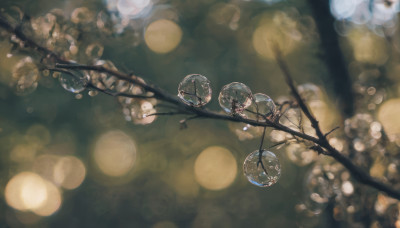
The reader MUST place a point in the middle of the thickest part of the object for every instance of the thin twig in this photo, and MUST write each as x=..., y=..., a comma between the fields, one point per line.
x=260, y=151
x=166, y=114
x=329, y=132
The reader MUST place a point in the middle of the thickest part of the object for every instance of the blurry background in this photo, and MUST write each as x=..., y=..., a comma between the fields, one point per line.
x=69, y=160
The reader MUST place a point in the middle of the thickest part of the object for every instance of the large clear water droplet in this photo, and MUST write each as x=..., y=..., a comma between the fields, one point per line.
x=195, y=90
x=262, y=172
x=262, y=108
x=25, y=76
x=235, y=97
x=74, y=81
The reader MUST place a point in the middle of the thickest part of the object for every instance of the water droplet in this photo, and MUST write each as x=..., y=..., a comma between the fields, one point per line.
x=195, y=90
x=264, y=173
x=78, y=96
x=235, y=97
x=74, y=81
x=93, y=93
x=262, y=108
x=45, y=72
x=81, y=15
x=25, y=76
x=94, y=50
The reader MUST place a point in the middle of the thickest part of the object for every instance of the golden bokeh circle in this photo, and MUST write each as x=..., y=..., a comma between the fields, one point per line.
x=215, y=168
x=115, y=153
x=163, y=36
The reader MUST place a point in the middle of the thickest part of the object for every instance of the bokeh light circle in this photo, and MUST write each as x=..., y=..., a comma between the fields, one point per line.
x=115, y=153
x=163, y=36
x=215, y=168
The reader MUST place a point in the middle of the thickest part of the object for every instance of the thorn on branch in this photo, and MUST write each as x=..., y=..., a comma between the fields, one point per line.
x=334, y=129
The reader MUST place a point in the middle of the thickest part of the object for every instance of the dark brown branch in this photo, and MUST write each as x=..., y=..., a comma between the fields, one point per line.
x=28, y=42
x=322, y=142
x=289, y=81
x=166, y=114
x=162, y=95
x=117, y=94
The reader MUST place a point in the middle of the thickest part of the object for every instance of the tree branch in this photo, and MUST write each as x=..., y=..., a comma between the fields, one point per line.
x=164, y=96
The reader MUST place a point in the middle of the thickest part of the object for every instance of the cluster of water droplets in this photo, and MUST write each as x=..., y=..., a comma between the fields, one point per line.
x=139, y=111
x=234, y=98
x=329, y=189
x=261, y=168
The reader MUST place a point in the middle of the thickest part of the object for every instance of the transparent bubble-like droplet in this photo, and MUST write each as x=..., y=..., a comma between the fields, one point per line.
x=264, y=173
x=262, y=108
x=81, y=15
x=25, y=76
x=235, y=97
x=195, y=90
x=74, y=81
x=93, y=93
x=94, y=50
